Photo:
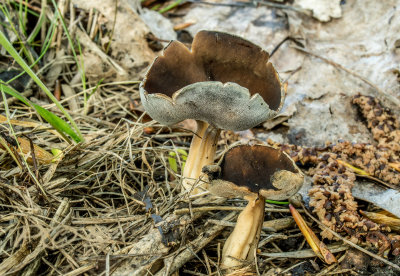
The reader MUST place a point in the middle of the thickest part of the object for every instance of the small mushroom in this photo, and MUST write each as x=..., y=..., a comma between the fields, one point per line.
x=254, y=173
x=223, y=82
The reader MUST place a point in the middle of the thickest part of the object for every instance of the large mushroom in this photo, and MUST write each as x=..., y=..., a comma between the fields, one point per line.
x=254, y=173
x=223, y=82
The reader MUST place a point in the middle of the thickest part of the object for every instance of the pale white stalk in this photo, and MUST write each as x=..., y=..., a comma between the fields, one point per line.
x=240, y=247
x=201, y=153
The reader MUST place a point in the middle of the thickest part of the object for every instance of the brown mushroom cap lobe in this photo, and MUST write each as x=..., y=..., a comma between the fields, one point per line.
x=229, y=58
x=215, y=56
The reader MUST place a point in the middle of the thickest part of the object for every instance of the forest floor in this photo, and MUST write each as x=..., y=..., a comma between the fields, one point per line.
x=91, y=185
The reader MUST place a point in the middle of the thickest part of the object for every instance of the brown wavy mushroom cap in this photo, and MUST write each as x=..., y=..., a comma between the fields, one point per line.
x=257, y=169
x=224, y=80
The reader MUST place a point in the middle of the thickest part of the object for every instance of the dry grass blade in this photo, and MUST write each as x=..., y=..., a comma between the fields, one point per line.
x=36, y=125
x=362, y=173
x=14, y=259
x=392, y=222
x=317, y=246
x=354, y=169
x=395, y=166
x=223, y=208
x=305, y=253
x=43, y=156
x=279, y=224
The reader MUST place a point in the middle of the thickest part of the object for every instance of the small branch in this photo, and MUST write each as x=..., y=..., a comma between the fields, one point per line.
x=192, y=248
x=225, y=208
x=34, y=8
x=302, y=254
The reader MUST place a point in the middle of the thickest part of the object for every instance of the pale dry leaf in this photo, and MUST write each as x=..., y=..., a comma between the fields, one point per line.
x=159, y=25
x=283, y=116
x=128, y=46
x=323, y=10
x=387, y=199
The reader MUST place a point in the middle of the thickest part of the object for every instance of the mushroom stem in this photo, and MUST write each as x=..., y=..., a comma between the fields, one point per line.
x=201, y=153
x=242, y=243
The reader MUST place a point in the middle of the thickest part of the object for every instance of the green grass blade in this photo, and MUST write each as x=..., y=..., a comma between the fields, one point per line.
x=172, y=159
x=32, y=12
x=11, y=26
x=95, y=89
x=10, y=49
x=277, y=202
x=49, y=36
x=171, y=6
x=172, y=162
x=10, y=91
x=59, y=124
x=38, y=26
x=71, y=43
x=79, y=63
x=22, y=18
x=46, y=46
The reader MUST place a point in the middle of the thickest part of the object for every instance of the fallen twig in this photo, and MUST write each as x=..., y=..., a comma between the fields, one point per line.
x=305, y=253
x=192, y=248
x=224, y=208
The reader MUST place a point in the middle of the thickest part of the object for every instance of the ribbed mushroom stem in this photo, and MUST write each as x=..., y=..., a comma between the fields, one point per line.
x=201, y=153
x=239, y=248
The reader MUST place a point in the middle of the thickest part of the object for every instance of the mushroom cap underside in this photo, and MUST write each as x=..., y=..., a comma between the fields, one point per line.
x=247, y=170
x=226, y=106
x=206, y=79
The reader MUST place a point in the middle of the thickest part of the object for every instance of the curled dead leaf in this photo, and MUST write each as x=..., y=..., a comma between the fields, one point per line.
x=380, y=241
x=43, y=156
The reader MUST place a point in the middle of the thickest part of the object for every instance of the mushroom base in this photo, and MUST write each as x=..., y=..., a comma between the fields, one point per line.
x=201, y=153
x=240, y=248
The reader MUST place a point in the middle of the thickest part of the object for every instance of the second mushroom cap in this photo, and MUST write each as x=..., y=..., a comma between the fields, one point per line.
x=257, y=169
